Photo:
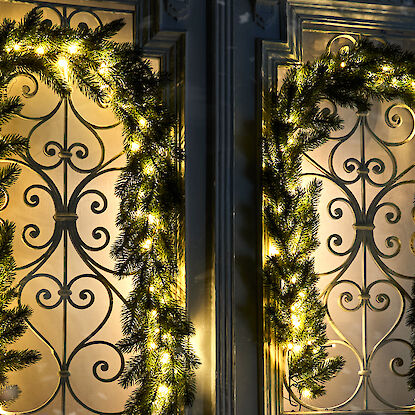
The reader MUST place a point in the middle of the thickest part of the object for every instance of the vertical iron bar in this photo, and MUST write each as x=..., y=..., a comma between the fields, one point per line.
x=364, y=268
x=65, y=240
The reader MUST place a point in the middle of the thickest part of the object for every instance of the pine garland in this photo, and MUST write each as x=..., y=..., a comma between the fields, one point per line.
x=12, y=319
x=155, y=325
x=295, y=124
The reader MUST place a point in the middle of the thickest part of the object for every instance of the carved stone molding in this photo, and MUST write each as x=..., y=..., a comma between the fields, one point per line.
x=166, y=49
x=222, y=120
x=361, y=16
x=178, y=9
x=265, y=12
x=336, y=16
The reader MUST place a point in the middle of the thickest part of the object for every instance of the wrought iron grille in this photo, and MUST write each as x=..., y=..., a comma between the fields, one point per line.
x=368, y=176
x=75, y=156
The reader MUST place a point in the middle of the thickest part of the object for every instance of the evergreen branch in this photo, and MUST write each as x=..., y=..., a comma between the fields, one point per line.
x=294, y=124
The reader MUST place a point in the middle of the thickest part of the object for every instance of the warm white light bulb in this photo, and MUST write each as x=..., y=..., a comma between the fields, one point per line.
x=63, y=63
x=40, y=50
x=343, y=65
x=152, y=219
x=135, y=146
x=386, y=68
x=165, y=358
x=152, y=345
x=297, y=348
x=103, y=69
x=294, y=280
x=154, y=313
x=73, y=48
x=273, y=250
x=290, y=346
x=151, y=289
x=306, y=393
x=16, y=47
x=147, y=244
x=302, y=294
x=295, y=321
x=149, y=169
x=163, y=390
x=143, y=122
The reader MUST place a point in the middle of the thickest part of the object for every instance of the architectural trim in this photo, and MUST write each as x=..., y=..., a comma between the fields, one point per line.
x=221, y=99
x=265, y=12
x=168, y=48
x=178, y=9
x=339, y=15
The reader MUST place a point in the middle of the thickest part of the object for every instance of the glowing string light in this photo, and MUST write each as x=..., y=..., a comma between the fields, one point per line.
x=306, y=393
x=143, y=122
x=72, y=49
x=135, y=146
x=295, y=321
x=40, y=50
x=165, y=358
x=147, y=244
x=273, y=250
x=103, y=69
x=152, y=219
x=149, y=169
x=163, y=391
x=297, y=348
x=295, y=306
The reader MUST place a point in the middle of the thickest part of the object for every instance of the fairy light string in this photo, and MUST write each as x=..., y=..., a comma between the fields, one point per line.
x=294, y=123
x=156, y=329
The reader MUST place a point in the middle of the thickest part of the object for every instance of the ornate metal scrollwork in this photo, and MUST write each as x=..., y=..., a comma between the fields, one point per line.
x=62, y=292
x=366, y=184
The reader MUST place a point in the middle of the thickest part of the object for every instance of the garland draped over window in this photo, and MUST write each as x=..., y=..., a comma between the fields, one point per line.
x=294, y=123
x=155, y=325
